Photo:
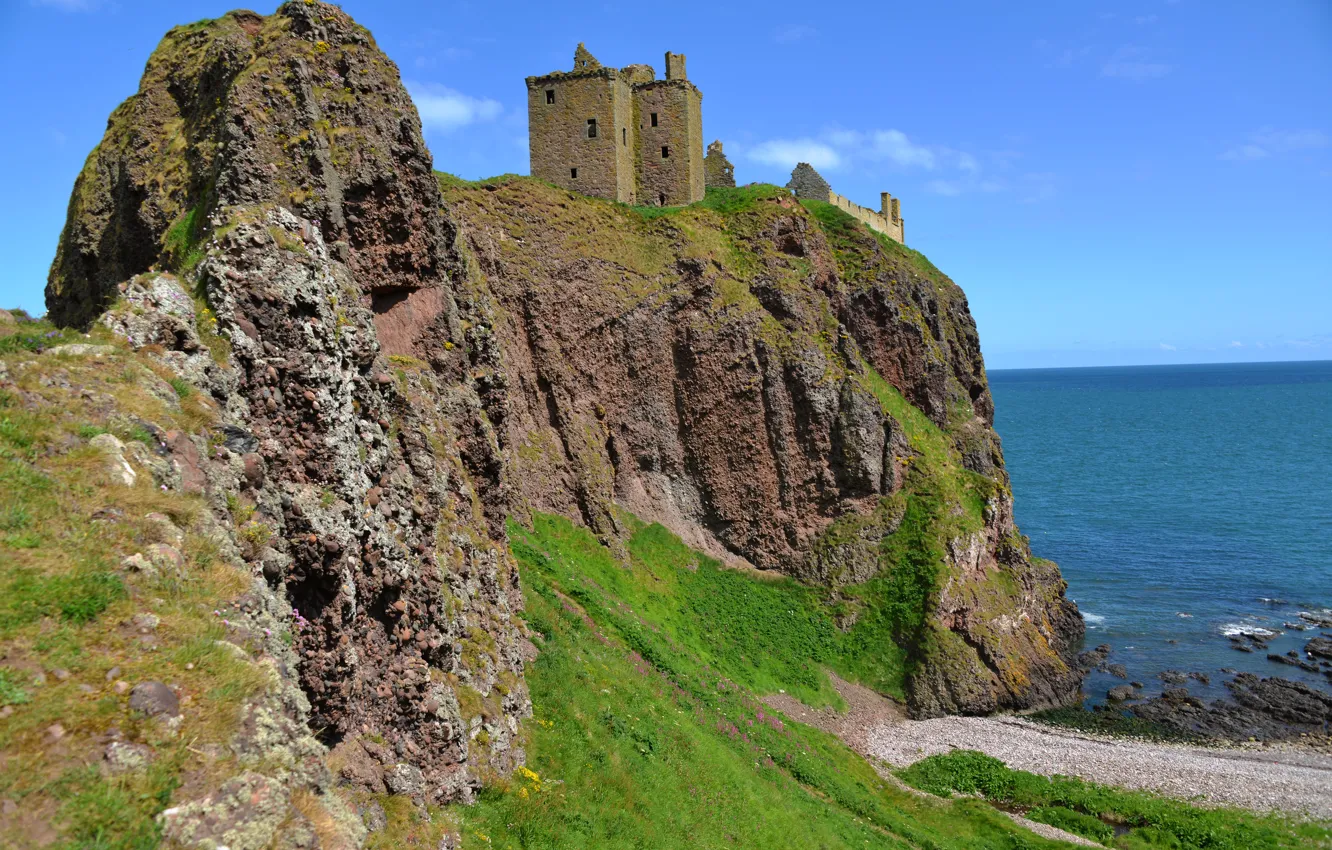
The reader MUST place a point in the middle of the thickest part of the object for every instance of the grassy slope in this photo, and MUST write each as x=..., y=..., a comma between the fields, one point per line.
x=646, y=735
x=648, y=731
x=66, y=637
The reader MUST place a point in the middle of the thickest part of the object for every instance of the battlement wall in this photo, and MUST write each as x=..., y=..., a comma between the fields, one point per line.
x=878, y=220
x=809, y=184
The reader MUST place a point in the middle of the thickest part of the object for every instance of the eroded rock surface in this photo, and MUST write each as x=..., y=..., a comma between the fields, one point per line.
x=262, y=218
x=722, y=375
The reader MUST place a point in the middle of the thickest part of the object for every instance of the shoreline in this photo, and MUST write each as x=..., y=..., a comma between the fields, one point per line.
x=1282, y=777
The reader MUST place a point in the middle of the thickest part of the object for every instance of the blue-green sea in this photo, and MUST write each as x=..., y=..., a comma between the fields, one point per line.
x=1181, y=502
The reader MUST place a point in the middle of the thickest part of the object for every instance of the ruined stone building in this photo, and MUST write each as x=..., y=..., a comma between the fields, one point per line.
x=717, y=169
x=808, y=183
x=621, y=133
x=618, y=133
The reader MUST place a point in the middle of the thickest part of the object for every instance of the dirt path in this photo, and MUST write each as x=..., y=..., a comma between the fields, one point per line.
x=1298, y=781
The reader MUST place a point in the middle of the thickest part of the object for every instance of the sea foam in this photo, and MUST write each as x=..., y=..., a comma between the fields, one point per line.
x=1233, y=629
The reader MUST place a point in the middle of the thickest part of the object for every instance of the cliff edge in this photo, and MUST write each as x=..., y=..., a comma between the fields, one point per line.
x=787, y=390
x=394, y=363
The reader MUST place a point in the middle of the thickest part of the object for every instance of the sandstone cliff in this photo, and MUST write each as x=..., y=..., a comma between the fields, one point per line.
x=398, y=369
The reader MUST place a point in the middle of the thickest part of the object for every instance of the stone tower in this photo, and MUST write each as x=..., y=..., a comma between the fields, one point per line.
x=618, y=133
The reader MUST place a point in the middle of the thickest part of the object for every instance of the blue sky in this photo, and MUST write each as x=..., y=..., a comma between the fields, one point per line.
x=1110, y=182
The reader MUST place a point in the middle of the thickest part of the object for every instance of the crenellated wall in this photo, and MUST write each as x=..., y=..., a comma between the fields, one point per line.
x=887, y=220
x=808, y=184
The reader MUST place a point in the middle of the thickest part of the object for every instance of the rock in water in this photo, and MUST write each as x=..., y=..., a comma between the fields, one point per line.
x=1319, y=647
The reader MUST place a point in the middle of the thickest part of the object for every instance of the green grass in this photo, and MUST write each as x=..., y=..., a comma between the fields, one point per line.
x=65, y=524
x=769, y=635
x=10, y=691
x=37, y=336
x=182, y=245
x=117, y=812
x=645, y=734
x=852, y=242
x=26, y=596
x=1145, y=820
x=727, y=201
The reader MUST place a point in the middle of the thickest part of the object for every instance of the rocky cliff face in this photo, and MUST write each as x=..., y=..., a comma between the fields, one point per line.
x=275, y=165
x=775, y=384
x=401, y=370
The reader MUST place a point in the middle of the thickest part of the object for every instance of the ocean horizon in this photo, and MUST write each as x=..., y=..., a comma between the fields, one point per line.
x=1184, y=504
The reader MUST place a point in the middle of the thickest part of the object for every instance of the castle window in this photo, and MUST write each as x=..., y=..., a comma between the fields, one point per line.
x=654, y=119
x=550, y=95
x=573, y=172
x=591, y=128
x=624, y=135
x=665, y=152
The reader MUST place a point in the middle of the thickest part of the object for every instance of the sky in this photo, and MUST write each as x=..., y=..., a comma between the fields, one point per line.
x=1132, y=182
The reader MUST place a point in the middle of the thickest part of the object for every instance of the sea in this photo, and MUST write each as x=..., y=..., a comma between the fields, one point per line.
x=1183, y=504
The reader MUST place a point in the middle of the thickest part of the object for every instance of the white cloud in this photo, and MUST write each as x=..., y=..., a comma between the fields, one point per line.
x=1270, y=142
x=1236, y=344
x=953, y=172
x=444, y=109
x=1145, y=19
x=890, y=145
x=1165, y=346
x=1133, y=63
x=785, y=153
x=963, y=185
x=793, y=33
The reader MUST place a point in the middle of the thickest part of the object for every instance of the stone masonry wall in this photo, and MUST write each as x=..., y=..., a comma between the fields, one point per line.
x=872, y=218
x=810, y=185
x=558, y=132
x=677, y=176
x=717, y=169
x=625, y=161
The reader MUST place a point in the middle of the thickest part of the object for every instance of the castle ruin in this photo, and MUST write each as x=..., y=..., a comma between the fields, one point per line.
x=622, y=134
x=717, y=169
x=809, y=184
x=618, y=133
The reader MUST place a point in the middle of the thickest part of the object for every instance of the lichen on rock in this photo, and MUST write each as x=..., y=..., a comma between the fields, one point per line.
x=273, y=169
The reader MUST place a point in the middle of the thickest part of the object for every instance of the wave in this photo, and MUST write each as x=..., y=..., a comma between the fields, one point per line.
x=1233, y=629
x=1093, y=620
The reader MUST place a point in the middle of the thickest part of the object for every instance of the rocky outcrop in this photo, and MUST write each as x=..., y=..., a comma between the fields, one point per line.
x=775, y=389
x=273, y=169
x=401, y=371
x=1260, y=709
